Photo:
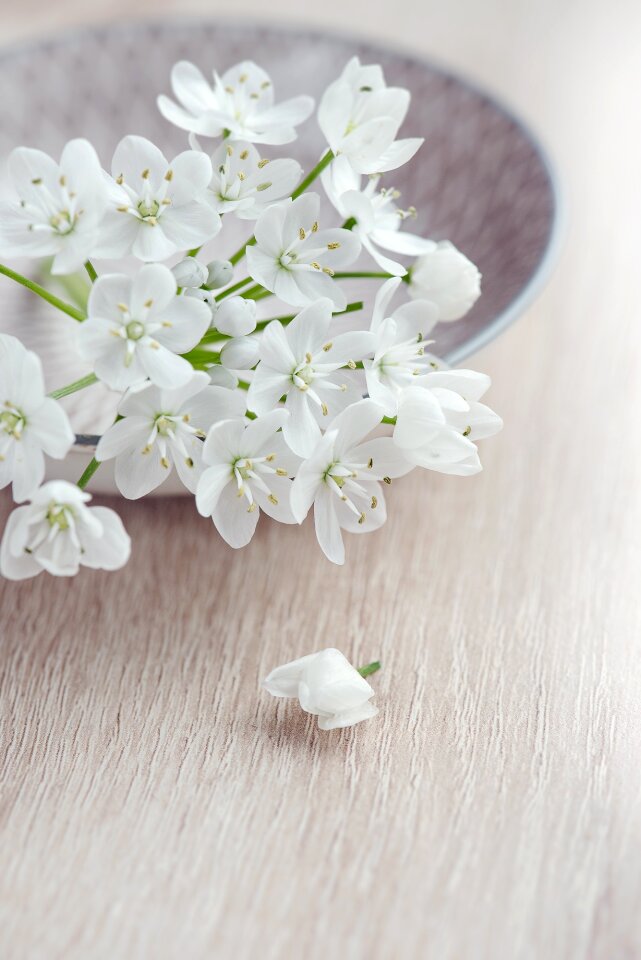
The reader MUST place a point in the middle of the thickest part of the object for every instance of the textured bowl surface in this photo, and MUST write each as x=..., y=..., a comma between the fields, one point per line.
x=479, y=180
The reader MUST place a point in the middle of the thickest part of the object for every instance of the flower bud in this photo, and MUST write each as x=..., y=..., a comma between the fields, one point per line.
x=241, y=353
x=190, y=273
x=236, y=317
x=448, y=279
x=219, y=273
x=327, y=685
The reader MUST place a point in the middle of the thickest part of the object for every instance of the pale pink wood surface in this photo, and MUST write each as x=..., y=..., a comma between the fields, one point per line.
x=153, y=804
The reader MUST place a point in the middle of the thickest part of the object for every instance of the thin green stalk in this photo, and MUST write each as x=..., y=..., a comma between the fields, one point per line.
x=390, y=420
x=288, y=317
x=370, y=668
x=311, y=176
x=240, y=253
x=363, y=275
x=194, y=252
x=74, y=387
x=89, y=472
x=49, y=297
x=91, y=270
x=236, y=286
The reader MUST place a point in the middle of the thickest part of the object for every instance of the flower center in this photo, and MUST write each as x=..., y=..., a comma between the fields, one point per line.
x=62, y=222
x=148, y=209
x=306, y=374
x=59, y=516
x=165, y=425
x=12, y=421
x=135, y=330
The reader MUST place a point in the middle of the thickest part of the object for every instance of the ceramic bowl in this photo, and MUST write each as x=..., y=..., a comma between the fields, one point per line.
x=480, y=180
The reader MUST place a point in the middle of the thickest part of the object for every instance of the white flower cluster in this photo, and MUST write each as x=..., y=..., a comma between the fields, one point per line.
x=258, y=408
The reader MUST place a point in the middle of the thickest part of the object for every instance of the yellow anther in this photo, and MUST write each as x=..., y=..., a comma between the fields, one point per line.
x=308, y=358
x=370, y=463
x=229, y=89
x=265, y=84
x=273, y=499
x=315, y=226
x=123, y=308
x=244, y=154
x=164, y=462
x=334, y=245
x=154, y=345
x=361, y=519
x=315, y=265
x=351, y=365
x=328, y=346
x=120, y=180
x=263, y=163
x=166, y=202
x=251, y=507
x=263, y=186
x=37, y=181
x=467, y=431
x=145, y=174
x=230, y=150
x=149, y=303
x=374, y=503
x=324, y=409
x=169, y=176
x=328, y=271
x=122, y=209
x=301, y=234
x=186, y=418
x=241, y=175
x=189, y=462
x=387, y=480
x=63, y=181
x=272, y=456
x=280, y=472
x=243, y=78
x=146, y=449
x=167, y=324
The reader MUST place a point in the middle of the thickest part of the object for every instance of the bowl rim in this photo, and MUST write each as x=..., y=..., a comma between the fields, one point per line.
x=543, y=269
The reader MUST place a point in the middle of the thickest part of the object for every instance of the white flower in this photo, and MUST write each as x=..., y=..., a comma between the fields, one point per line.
x=446, y=277
x=399, y=353
x=156, y=208
x=240, y=105
x=136, y=328
x=249, y=466
x=219, y=273
x=59, y=209
x=360, y=117
x=31, y=424
x=296, y=260
x=377, y=217
x=190, y=273
x=303, y=363
x=327, y=686
x=244, y=184
x=341, y=478
x=439, y=420
x=162, y=428
x=235, y=316
x=58, y=533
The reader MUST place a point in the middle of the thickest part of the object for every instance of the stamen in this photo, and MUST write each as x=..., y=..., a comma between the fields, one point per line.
x=120, y=180
x=334, y=245
x=315, y=226
x=301, y=233
x=467, y=431
x=145, y=174
x=361, y=519
x=324, y=409
x=315, y=265
x=280, y=472
x=263, y=163
x=351, y=365
x=387, y=480
x=169, y=176
x=328, y=271
x=273, y=499
x=241, y=175
x=374, y=503
x=245, y=153
x=370, y=463
x=263, y=186
x=328, y=346
x=189, y=462
x=149, y=303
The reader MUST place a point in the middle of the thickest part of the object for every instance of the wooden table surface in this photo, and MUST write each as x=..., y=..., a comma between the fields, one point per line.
x=154, y=805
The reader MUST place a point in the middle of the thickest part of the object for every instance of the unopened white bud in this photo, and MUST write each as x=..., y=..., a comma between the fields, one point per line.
x=448, y=279
x=219, y=274
x=190, y=273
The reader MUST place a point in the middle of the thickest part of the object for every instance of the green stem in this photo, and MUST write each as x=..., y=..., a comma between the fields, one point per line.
x=364, y=275
x=194, y=252
x=49, y=297
x=89, y=472
x=91, y=270
x=73, y=387
x=236, y=286
x=390, y=420
x=288, y=317
x=311, y=176
x=370, y=668
x=240, y=253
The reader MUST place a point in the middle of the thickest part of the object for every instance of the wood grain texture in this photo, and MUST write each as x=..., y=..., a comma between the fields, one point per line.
x=153, y=804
